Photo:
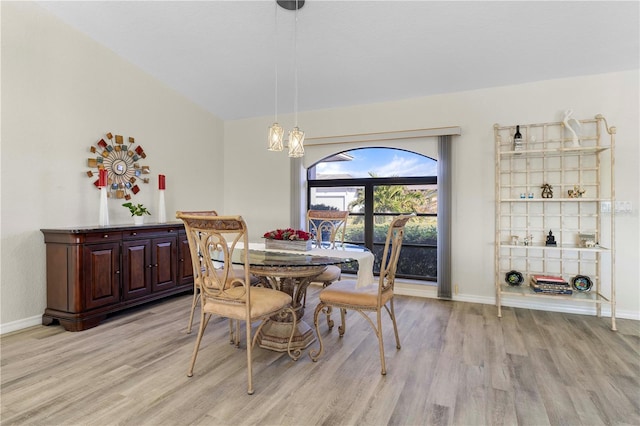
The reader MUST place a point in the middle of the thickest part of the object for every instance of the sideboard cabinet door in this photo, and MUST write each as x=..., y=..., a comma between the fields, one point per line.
x=101, y=269
x=136, y=266
x=163, y=261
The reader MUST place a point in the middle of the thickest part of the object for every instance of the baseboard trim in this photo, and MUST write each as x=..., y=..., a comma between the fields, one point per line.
x=431, y=292
x=21, y=324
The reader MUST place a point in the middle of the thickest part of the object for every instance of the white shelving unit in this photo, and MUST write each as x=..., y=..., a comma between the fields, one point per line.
x=550, y=155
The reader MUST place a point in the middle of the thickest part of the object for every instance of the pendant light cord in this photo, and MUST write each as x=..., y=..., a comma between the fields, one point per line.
x=275, y=18
x=295, y=65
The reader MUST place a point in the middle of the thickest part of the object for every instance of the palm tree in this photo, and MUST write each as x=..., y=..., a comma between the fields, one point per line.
x=390, y=199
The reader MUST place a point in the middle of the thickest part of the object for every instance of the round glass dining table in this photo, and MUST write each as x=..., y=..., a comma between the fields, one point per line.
x=290, y=272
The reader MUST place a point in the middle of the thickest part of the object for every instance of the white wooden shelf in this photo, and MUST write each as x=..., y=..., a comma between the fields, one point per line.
x=554, y=200
x=569, y=247
x=549, y=155
x=525, y=290
x=551, y=152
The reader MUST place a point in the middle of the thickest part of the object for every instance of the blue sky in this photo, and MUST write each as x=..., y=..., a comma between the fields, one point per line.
x=384, y=162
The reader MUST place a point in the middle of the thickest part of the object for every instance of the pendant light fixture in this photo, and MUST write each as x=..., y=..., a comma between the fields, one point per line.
x=276, y=132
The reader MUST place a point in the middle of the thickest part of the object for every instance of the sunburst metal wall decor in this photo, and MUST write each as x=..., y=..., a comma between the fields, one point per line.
x=121, y=161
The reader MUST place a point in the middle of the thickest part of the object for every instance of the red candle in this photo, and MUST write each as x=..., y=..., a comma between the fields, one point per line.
x=102, y=181
x=162, y=183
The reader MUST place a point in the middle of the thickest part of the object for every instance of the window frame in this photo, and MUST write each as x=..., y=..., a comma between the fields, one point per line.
x=368, y=184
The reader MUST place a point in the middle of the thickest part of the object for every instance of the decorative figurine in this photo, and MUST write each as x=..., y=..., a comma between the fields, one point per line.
x=551, y=240
x=528, y=240
x=515, y=240
x=572, y=124
x=576, y=192
x=547, y=191
x=588, y=240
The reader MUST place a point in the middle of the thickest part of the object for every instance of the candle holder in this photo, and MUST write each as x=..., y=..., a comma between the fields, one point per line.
x=103, y=219
x=162, y=213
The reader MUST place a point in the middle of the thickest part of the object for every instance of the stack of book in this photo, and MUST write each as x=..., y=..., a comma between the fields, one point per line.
x=549, y=284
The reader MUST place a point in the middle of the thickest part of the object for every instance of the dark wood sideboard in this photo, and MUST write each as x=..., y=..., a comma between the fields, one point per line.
x=93, y=272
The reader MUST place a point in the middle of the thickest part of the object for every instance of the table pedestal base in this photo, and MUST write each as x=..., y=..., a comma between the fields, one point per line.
x=275, y=336
x=293, y=281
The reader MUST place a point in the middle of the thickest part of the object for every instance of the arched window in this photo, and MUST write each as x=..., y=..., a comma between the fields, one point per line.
x=376, y=184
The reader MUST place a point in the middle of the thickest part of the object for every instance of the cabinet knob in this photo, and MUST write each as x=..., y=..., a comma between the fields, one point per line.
x=117, y=272
x=134, y=234
x=105, y=236
x=181, y=260
x=149, y=266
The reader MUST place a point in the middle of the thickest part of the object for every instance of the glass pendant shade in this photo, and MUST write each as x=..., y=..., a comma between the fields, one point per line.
x=296, y=136
x=276, y=132
x=296, y=143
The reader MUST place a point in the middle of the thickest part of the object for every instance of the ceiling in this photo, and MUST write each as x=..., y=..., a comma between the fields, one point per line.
x=222, y=54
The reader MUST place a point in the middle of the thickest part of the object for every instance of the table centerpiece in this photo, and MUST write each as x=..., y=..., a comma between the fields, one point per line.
x=288, y=239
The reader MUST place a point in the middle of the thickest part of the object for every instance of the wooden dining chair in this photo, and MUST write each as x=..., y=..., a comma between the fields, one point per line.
x=225, y=292
x=328, y=228
x=344, y=295
x=196, y=286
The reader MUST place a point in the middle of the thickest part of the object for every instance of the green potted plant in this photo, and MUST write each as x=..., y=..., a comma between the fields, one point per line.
x=137, y=211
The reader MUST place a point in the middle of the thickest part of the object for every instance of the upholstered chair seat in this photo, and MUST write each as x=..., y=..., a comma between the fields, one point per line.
x=331, y=274
x=264, y=301
x=345, y=292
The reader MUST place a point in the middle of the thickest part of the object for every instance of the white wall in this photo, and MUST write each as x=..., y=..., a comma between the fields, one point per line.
x=62, y=92
x=257, y=184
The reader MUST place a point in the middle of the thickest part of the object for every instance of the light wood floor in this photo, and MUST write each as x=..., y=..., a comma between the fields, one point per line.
x=459, y=365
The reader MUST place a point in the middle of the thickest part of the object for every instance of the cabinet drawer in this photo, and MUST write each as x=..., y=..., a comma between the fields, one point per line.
x=106, y=236
x=149, y=233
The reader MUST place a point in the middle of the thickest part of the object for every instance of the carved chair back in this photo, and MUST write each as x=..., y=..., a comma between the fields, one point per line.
x=391, y=254
x=217, y=236
x=328, y=226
